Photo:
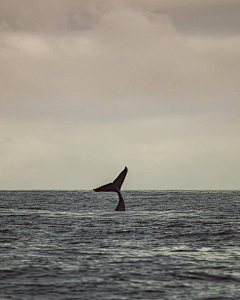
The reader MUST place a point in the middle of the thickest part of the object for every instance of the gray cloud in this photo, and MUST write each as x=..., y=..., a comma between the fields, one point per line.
x=208, y=17
x=91, y=86
x=220, y=18
x=51, y=16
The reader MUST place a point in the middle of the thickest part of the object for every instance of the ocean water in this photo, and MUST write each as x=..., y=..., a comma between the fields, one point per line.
x=60, y=245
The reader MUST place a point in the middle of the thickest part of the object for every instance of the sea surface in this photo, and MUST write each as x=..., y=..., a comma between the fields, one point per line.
x=62, y=245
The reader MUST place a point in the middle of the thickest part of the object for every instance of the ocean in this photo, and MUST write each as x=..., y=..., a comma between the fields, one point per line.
x=62, y=245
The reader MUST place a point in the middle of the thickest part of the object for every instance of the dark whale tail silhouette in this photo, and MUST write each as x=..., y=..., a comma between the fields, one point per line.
x=115, y=186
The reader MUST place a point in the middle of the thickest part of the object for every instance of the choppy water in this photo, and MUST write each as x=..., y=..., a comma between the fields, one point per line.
x=72, y=245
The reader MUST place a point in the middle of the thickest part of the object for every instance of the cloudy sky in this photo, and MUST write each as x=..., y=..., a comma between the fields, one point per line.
x=89, y=87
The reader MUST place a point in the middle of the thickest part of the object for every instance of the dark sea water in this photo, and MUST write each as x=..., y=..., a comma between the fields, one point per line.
x=72, y=245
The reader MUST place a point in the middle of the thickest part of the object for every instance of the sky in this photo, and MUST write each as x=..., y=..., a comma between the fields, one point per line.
x=89, y=87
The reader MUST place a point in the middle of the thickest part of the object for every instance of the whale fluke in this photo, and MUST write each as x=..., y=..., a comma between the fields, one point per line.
x=115, y=186
x=119, y=180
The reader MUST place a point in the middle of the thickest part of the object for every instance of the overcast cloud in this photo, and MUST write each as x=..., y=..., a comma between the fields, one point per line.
x=88, y=87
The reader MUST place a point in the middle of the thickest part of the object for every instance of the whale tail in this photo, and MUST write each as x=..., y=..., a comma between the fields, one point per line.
x=114, y=186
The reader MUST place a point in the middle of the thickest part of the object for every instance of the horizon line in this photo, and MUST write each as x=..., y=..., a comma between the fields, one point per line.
x=130, y=190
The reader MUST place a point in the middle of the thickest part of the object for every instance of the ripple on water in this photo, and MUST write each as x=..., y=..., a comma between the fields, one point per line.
x=168, y=245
